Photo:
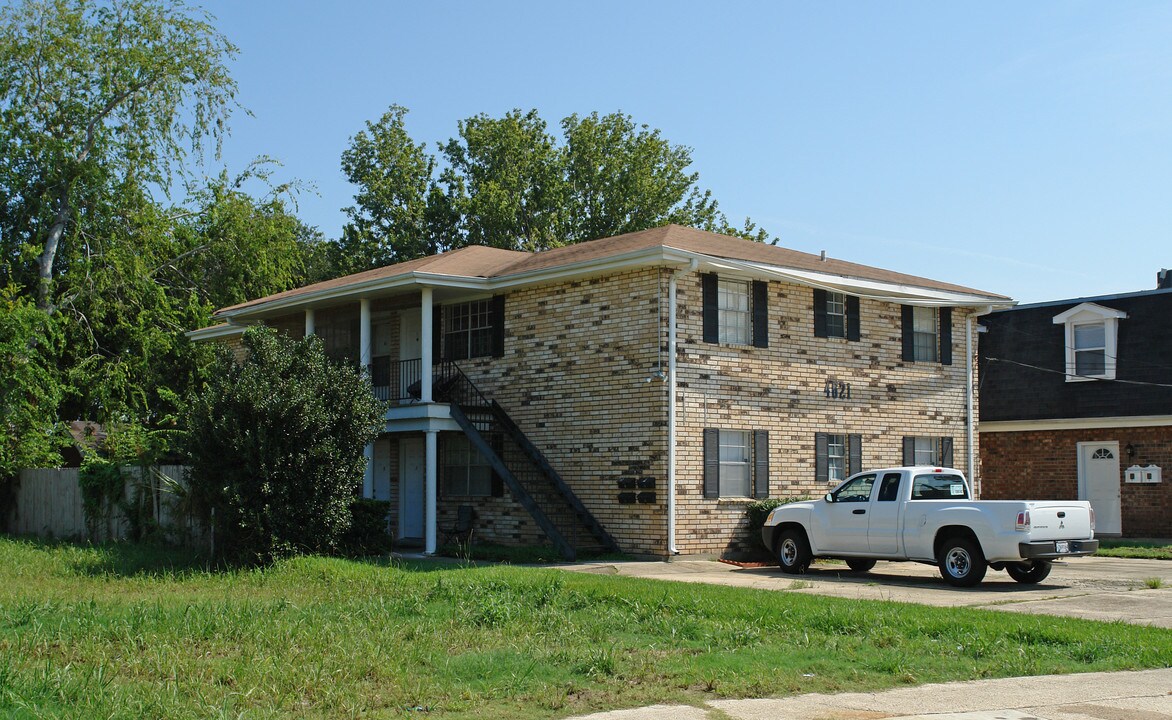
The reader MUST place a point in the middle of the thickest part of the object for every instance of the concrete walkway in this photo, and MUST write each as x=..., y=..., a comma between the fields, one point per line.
x=1144, y=695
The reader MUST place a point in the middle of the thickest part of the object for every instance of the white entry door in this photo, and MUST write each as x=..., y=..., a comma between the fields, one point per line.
x=1099, y=482
x=411, y=487
x=410, y=348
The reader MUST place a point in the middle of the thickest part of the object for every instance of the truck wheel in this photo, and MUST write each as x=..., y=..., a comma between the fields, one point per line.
x=860, y=564
x=961, y=562
x=1029, y=572
x=793, y=552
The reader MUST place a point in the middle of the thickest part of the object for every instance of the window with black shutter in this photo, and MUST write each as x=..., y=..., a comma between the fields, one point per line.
x=735, y=312
x=736, y=463
x=927, y=334
x=837, y=456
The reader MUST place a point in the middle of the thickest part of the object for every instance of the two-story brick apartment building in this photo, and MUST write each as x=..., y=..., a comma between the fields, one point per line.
x=1077, y=403
x=638, y=391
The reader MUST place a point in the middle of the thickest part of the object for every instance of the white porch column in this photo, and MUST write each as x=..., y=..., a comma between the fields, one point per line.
x=364, y=360
x=309, y=322
x=429, y=492
x=425, y=338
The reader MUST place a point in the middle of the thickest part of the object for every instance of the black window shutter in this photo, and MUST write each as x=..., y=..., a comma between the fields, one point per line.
x=909, y=450
x=819, y=313
x=945, y=336
x=909, y=343
x=761, y=463
x=437, y=333
x=498, y=483
x=760, y=302
x=852, y=318
x=711, y=462
x=821, y=458
x=946, y=451
x=854, y=454
x=708, y=292
x=498, y=325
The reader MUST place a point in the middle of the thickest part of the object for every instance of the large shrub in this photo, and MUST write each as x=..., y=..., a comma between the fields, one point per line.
x=275, y=446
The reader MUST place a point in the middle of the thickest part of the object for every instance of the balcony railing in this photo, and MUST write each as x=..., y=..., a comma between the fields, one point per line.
x=396, y=380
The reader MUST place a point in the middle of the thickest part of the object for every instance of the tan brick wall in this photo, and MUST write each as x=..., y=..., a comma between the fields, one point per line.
x=1043, y=465
x=573, y=377
x=781, y=389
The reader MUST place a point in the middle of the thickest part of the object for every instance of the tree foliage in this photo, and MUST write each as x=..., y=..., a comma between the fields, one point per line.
x=29, y=389
x=276, y=445
x=509, y=182
x=95, y=97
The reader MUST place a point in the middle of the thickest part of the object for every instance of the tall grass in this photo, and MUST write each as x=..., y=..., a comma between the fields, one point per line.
x=123, y=632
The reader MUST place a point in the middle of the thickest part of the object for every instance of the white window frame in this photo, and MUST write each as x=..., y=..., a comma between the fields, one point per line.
x=835, y=314
x=927, y=448
x=1091, y=314
x=735, y=310
x=836, y=462
x=735, y=463
x=922, y=317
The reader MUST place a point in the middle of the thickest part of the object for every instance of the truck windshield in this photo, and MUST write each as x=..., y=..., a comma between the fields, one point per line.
x=939, y=487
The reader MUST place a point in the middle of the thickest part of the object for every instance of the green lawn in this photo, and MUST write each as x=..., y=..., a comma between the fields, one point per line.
x=1135, y=549
x=124, y=632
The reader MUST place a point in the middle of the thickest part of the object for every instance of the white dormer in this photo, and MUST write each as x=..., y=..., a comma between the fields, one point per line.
x=1091, y=334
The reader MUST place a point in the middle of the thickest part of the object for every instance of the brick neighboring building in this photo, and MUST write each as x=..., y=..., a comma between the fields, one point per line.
x=510, y=374
x=1076, y=403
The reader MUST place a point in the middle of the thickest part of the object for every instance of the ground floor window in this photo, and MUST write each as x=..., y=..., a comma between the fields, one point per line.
x=736, y=463
x=465, y=471
x=925, y=450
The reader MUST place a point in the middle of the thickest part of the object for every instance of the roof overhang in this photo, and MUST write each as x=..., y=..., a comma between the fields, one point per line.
x=659, y=255
x=216, y=332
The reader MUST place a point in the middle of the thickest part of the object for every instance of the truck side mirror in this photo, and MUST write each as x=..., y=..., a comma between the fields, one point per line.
x=829, y=497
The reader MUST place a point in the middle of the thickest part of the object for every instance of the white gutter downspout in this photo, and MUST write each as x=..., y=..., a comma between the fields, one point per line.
x=671, y=404
x=969, y=396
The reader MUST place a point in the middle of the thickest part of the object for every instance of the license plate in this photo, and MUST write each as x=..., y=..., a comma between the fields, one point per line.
x=1061, y=547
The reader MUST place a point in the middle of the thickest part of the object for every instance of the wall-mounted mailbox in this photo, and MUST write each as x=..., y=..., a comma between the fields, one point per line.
x=647, y=497
x=646, y=482
x=627, y=498
x=626, y=483
x=1137, y=474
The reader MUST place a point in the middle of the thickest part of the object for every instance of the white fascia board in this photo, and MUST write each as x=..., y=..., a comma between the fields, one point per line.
x=626, y=261
x=214, y=332
x=1076, y=423
x=871, y=289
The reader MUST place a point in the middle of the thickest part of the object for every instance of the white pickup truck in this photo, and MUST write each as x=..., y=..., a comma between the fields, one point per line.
x=927, y=514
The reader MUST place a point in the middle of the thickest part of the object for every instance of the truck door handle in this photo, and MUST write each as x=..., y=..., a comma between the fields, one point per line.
x=859, y=512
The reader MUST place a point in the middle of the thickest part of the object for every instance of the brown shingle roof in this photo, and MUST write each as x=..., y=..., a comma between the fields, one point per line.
x=486, y=262
x=473, y=261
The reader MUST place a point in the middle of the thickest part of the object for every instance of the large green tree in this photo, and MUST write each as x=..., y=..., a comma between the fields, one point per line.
x=92, y=97
x=509, y=182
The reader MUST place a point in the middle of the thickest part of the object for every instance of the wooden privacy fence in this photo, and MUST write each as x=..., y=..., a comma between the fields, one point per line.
x=48, y=503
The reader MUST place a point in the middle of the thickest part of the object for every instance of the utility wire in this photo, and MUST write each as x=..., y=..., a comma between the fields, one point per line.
x=1087, y=377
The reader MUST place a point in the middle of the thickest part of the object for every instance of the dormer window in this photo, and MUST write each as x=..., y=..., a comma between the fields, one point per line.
x=1091, y=340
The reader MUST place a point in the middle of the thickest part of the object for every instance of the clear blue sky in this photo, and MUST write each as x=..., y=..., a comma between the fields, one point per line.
x=1020, y=148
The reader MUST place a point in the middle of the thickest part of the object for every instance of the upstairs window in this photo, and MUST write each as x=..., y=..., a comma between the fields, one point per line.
x=736, y=312
x=1091, y=334
x=733, y=303
x=470, y=330
x=927, y=334
x=836, y=315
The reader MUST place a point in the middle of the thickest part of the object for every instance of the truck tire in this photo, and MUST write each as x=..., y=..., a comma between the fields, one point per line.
x=860, y=564
x=1030, y=572
x=793, y=552
x=961, y=562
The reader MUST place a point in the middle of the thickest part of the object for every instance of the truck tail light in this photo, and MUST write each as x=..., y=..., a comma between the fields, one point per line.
x=1092, y=520
x=1023, y=521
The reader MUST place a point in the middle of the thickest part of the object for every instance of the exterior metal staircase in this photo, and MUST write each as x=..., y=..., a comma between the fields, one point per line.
x=527, y=473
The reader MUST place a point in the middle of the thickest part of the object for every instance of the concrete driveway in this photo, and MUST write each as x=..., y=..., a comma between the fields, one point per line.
x=1096, y=588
